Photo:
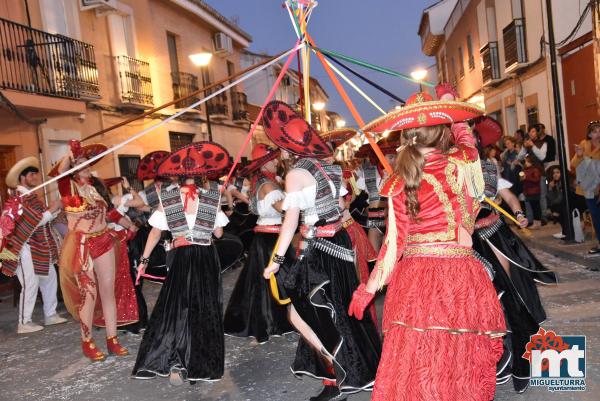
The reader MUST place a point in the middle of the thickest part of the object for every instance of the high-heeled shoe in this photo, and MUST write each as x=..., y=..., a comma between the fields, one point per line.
x=91, y=351
x=114, y=348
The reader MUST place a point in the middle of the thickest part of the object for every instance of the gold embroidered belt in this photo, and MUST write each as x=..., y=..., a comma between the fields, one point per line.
x=452, y=330
x=348, y=223
x=438, y=251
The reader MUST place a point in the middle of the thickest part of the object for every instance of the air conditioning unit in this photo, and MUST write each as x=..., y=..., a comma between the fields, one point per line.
x=223, y=44
x=101, y=6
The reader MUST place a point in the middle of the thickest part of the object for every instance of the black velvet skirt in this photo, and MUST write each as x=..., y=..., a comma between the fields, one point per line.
x=252, y=311
x=518, y=292
x=321, y=288
x=185, y=330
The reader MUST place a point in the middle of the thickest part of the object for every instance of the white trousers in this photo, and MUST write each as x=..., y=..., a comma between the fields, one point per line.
x=30, y=283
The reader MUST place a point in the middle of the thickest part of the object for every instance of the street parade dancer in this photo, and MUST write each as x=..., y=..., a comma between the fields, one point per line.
x=34, y=243
x=515, y=269
x=443, y=323
x=94, y=279
x=184, y=337
x=252, y=311
x=341, y=351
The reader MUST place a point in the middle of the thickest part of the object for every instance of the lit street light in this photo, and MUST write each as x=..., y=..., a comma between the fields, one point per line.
x=419, y=75
x=202, y=60
x=340, y=123
x=318, y=106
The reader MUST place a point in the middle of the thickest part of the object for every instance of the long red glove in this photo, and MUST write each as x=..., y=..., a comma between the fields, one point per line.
x=360, y=301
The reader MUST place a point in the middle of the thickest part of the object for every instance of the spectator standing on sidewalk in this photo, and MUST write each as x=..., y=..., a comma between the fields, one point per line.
x=555, y=199
x=590, y=148
x=531, y=176
x=511, y=166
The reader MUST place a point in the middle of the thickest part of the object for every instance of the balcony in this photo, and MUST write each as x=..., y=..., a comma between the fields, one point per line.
x=490, y=63
x=183, y=85
x=41, y=63
x=217, y=106
x=135, y=82
x=239, y=104
x=515, y=45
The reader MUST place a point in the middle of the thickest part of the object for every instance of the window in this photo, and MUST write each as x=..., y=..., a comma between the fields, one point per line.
x=173, y=57
x=121, y=32
x=230, y=69
x=461, y=63
x=470, y=50
x=453, y=71
x=532, y=116
x=128, y=166
x=61, y=17
x=511, y=119
x=179, y=140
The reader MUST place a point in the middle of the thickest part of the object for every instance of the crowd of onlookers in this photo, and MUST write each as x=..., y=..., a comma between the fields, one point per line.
x=529, y=162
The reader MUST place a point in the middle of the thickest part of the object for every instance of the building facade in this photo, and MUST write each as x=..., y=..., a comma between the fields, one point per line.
x=71, y=68
x=496, y=53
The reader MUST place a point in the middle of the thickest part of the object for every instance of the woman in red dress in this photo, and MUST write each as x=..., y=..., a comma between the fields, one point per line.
x=442, y=320
x=90, y=269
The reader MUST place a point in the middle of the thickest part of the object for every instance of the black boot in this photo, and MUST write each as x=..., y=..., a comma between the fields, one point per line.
x=520, y=384
x=329, y=393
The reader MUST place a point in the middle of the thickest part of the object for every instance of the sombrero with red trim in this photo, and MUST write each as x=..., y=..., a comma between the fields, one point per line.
x=149, y=164
x=488, y=129
x=291, y=132
x=261, y=154
x=338, y=137
x=422, y=111
x=81, y=152
x=109, y=182
x=198, y=159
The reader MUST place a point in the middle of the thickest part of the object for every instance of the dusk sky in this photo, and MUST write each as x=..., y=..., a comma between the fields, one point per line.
x=383, y=32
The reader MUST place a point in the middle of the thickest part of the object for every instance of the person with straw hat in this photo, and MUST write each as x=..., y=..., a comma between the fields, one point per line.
x=442, y=320
x=34, y=241
x=341, y=351
x=184, y=337
x=88, y=262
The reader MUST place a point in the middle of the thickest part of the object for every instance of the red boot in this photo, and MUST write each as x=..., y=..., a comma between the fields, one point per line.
x=114, y=348
x=89, y=350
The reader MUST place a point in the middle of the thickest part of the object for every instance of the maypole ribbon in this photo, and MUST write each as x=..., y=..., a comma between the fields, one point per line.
x=273, y=281
x=386, y=165
x=163, y=122
x=506, y=214
x=291, y=53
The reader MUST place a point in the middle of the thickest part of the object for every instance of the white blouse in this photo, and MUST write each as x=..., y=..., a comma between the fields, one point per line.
x=305, y=199
x=267, y=214
x=504, y=184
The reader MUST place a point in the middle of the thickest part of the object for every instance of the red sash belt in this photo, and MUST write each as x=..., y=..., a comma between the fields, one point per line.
x=267, y=229
x=327, y=231
x=486, y=221
x=182, y=241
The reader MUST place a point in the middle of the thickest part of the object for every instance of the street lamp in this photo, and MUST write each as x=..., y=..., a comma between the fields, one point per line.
x=202, y=60
x=340, y=123
x=419, y=75
x=318, y=106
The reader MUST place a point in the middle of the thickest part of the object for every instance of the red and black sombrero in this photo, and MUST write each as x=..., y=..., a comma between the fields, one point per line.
x=207, y=159
x=488, y=129
x=261, y=154
x=81, y=152
x=422, y=111
x=338, y=137
x=149, y=164
x=292, y=133
x=109, y=182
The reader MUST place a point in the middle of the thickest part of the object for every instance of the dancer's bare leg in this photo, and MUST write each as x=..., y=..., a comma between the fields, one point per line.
x=503, y=261
x=307, y=332
x=86, y=282
x=375, y=238
x=105, y=271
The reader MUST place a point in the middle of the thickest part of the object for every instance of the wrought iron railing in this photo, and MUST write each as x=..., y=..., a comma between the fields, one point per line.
x=217, y=106
x=515, y=44
x=136, y=84
x=490, y=61
x=239, y=105
x=39, y=62
x=183, y=85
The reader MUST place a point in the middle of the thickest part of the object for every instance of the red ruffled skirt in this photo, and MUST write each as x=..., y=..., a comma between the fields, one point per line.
x=74, y=255
x=364, y=252
x=443, y=327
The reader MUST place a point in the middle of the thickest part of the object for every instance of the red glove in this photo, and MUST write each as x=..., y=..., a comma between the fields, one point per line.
x=445, y=88
x=360, y=301
x=113, y=216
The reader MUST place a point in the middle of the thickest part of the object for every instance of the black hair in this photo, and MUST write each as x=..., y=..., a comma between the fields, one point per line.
x=28, y=170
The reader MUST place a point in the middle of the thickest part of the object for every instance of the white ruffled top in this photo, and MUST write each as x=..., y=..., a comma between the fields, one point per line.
x=305, y=199
x=267, y=214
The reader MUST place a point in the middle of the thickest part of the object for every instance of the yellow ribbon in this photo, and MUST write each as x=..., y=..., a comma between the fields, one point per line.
x=505, y=213
x=273, y=282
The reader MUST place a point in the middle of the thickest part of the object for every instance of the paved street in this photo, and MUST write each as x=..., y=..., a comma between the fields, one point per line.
x=48, y=365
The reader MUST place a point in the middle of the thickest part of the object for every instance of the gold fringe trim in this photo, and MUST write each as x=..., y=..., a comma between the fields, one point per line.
x=471, y=175
x=388, y=263
x=450, y=330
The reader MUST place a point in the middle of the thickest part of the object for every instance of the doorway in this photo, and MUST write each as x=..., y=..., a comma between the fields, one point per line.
x=7, y=160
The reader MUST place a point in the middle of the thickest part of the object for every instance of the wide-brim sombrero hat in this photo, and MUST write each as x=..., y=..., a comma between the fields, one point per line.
x=340, y=136
x=261, y=155
x=288, y=130
x=12, y=177
x=109, y=182
x=149, y=164
x=86, y=152
x=421, y=111
x=488, y=129
x=199, y=159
